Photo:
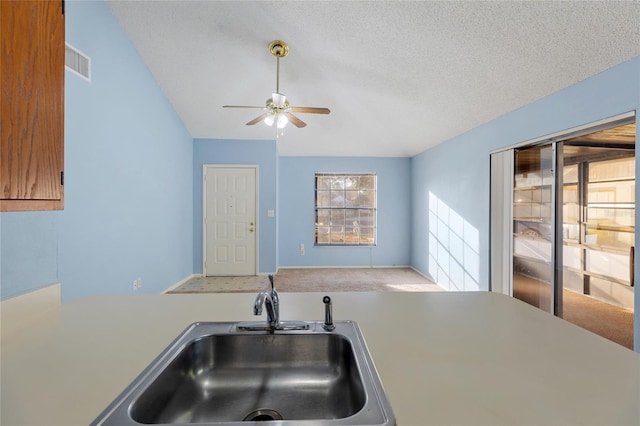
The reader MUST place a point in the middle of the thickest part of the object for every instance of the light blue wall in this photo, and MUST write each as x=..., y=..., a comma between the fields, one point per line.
x=456, y=174
x=128, y=173
x=241, y=152
x=128, y=200
x=296, y=212
x=28, y=251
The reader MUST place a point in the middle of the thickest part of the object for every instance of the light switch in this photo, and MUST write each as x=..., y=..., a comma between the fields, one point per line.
x=271, y=213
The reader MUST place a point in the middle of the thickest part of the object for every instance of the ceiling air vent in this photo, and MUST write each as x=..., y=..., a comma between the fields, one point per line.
x=77, y=62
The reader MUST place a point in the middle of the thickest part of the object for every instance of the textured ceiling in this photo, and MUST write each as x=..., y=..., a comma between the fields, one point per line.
x=399, y=77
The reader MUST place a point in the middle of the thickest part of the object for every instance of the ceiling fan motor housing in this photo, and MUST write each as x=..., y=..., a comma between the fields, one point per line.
x=278, y=100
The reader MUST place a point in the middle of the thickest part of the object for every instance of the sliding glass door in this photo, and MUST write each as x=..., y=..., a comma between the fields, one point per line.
x=599, y=236
x=563, y=227
x=533, y=228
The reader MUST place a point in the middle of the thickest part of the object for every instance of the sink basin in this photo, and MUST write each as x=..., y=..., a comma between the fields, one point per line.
x=214, y=374
x=229, y=377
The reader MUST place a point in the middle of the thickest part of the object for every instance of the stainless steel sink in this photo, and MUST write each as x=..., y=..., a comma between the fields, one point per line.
x=214, y=374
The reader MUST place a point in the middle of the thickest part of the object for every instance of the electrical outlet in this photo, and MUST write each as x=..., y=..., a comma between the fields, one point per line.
x=137, y=284
x=301, y=249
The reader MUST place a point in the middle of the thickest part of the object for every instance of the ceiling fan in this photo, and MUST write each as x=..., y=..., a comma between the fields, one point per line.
x=277, y=108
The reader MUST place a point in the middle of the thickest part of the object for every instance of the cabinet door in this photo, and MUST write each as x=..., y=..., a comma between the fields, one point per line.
x=32, y=105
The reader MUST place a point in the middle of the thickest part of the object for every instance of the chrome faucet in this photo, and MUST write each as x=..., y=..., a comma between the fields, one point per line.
x=272, y=302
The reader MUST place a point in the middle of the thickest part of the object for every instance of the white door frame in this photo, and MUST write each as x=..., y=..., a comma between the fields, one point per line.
x=204, y=209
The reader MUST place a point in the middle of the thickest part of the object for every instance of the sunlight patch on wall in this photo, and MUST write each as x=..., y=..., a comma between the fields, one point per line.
x=454, y=246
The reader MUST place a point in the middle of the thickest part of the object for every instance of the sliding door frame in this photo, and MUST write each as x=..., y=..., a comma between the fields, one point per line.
x=557, y=243
x=501, y=223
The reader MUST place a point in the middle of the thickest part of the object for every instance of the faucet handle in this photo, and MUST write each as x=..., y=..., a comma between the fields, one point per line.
x=273, y=287
x=257, y=305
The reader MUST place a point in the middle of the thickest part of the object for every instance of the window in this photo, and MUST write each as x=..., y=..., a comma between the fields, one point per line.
x=346, y=209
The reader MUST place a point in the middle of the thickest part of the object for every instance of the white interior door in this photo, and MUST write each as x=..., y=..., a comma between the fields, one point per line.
x=230, y=226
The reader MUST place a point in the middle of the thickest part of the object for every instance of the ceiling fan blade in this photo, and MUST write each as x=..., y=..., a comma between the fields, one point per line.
x=242, y=106
x=295, y=120
x=258, y=119
x=311, y=110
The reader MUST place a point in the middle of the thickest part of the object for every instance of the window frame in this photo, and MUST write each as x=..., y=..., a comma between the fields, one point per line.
x=369, y=191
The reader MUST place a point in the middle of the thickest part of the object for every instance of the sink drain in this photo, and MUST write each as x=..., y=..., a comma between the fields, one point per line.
x=262, y=415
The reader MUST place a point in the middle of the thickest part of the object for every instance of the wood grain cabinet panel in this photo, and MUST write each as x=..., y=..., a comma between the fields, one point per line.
x=32, y=43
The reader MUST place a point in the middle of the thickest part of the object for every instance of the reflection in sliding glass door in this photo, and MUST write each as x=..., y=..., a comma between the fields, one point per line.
x=533, y=226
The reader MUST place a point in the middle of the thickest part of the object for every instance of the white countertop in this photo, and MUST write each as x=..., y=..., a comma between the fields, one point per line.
x=443, y=358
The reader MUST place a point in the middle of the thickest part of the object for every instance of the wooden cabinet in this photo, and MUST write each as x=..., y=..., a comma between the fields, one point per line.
x=32, y=49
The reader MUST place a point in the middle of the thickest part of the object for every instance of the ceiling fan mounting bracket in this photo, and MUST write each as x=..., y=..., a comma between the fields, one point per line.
x=279, y=48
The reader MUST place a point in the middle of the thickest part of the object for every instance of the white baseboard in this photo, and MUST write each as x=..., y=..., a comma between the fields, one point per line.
x=19, y=311
x=347, y=267
x=420, y=273
x=428, y=277
x=182, y=281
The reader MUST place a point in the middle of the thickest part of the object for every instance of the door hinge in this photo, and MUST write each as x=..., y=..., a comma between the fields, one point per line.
x=62, y=178
x=63, y=6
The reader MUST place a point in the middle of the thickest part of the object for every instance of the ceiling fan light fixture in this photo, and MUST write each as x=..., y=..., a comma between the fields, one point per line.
x=269, y=120
x=282, y=121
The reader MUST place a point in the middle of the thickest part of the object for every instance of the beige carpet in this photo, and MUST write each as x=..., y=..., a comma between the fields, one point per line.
x=316, y=280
